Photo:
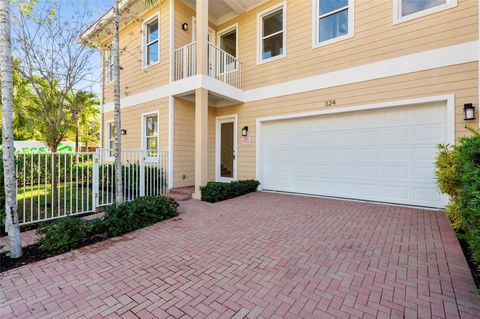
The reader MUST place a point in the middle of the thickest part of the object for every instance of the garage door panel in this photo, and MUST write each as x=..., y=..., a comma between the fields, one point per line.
x=383, y=155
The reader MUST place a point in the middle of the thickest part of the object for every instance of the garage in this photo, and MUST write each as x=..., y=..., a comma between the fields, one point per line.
x=384, y=154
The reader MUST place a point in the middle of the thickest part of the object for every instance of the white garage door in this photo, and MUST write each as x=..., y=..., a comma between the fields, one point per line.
x=382, y=155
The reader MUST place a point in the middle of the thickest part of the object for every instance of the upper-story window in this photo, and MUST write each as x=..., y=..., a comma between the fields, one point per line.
x=271, y=34
x=151, y=47
x=333, y=21
x=405, y=10
x=150, y=134
x=110, y=64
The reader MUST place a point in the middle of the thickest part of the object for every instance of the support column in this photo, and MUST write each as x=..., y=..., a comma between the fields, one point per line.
x=201, y=100
x=201, y=140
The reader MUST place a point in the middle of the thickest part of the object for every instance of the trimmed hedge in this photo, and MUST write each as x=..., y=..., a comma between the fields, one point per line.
x=72, y=232
x=217, y=192
x=458, y=176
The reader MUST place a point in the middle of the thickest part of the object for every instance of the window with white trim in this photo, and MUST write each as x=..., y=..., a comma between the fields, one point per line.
x=333, y=20
x=110, y=64
x=151, y=48
x=410, y=9
x=271, y=31
x=150, y=134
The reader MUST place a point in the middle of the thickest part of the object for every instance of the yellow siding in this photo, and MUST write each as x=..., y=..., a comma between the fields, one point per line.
x=376, y=38
x=184, y=143
x=462, y=80
x=134, y=78
x=132, y=122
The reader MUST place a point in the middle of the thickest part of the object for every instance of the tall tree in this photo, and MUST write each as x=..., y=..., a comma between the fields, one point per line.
x=87, y=104
x=13, y=228
x=53, y=61
x=116, y=102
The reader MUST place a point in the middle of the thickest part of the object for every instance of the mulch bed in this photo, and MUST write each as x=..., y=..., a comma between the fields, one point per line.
x=34, y=253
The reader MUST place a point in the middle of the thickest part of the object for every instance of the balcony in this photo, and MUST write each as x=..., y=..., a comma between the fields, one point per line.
x=222, y=66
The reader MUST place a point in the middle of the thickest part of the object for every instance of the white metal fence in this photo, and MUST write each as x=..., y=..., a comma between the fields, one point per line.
x=55, y=185
x=221, y=65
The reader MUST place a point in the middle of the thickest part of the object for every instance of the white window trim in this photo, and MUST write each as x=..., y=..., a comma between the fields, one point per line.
x=227, y=30
x=315, y=21
x=107, y=140
x=147, y=21
x=397, y=11
x=260, y=16
x=109, y=64
x=144, y=137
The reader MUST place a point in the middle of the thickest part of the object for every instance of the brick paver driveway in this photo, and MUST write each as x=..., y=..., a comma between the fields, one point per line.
x=260, y=255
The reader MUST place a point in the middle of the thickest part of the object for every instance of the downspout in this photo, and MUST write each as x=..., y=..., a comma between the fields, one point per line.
x=170, y=97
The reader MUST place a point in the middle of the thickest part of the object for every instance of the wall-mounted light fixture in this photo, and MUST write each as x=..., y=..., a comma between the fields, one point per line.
x=245, y=131
x=185, y=26
x=469, y=111
x=123, y=131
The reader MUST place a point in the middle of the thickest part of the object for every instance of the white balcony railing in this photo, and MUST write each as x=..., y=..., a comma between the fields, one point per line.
x=221, y=65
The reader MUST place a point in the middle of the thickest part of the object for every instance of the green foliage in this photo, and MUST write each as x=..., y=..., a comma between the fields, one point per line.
x=458, y=175
x=215, y=192
x=139, y=213
x=469, y=162
x=64, y=234
x=69, y=232
x=448, y=180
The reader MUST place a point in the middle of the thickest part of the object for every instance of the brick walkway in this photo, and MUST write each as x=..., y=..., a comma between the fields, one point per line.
x=260, y=255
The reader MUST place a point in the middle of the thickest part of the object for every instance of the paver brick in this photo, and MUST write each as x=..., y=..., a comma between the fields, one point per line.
x=261, y=255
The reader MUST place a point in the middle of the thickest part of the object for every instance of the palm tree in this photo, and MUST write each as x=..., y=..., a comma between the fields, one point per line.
x=13, y=228
x=86, y=105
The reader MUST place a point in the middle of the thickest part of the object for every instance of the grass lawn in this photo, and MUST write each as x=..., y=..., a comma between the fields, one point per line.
x=35, y=202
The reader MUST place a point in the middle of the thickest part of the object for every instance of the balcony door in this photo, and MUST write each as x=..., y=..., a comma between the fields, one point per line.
x=228, y=41
x=226, y=149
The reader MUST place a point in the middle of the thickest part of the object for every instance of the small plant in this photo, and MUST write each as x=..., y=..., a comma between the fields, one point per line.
x=213, y=193
x=64, y=234
x=139, y=213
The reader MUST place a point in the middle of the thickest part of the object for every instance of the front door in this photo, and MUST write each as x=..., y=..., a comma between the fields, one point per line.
x=226, y=149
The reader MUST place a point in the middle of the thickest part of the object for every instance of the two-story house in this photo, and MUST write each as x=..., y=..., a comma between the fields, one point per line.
x=343, y=98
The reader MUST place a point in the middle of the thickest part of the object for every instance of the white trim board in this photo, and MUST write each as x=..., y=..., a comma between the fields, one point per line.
x=422, y=61
x=218, y=121
x=426, y=60
x=448, y=98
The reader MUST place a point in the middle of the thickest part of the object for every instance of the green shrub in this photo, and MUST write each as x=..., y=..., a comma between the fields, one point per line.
x=469, y=161
x=139, y=213
x=458, y=176
x=448, y=181
x=64, y=234
x=69, y=232
x=215, y=192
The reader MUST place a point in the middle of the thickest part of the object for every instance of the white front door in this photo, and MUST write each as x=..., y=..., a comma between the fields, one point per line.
x=384, y=155
x=226, y=149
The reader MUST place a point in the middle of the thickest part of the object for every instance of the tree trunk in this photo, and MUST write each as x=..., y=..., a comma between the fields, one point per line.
x=116, y=99
x=11, y=221
x=76, y=136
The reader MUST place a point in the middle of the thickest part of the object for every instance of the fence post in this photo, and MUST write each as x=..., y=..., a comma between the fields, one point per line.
x=142, y=172
x=96, y=179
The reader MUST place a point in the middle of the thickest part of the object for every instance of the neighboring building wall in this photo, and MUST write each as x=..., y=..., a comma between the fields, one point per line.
x=462, y=80
x=134, y=78
x=375, y=38
x=132, y=122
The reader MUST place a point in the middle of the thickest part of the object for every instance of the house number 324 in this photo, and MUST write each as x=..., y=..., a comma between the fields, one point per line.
x=330, y=102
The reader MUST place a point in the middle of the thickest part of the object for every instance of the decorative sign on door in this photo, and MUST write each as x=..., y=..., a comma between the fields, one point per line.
x=246, y=140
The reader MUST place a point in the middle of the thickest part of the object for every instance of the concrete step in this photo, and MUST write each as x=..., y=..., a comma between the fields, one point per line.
x=181, y=193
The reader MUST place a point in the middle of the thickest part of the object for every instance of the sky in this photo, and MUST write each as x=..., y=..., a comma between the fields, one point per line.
x=95, y=9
